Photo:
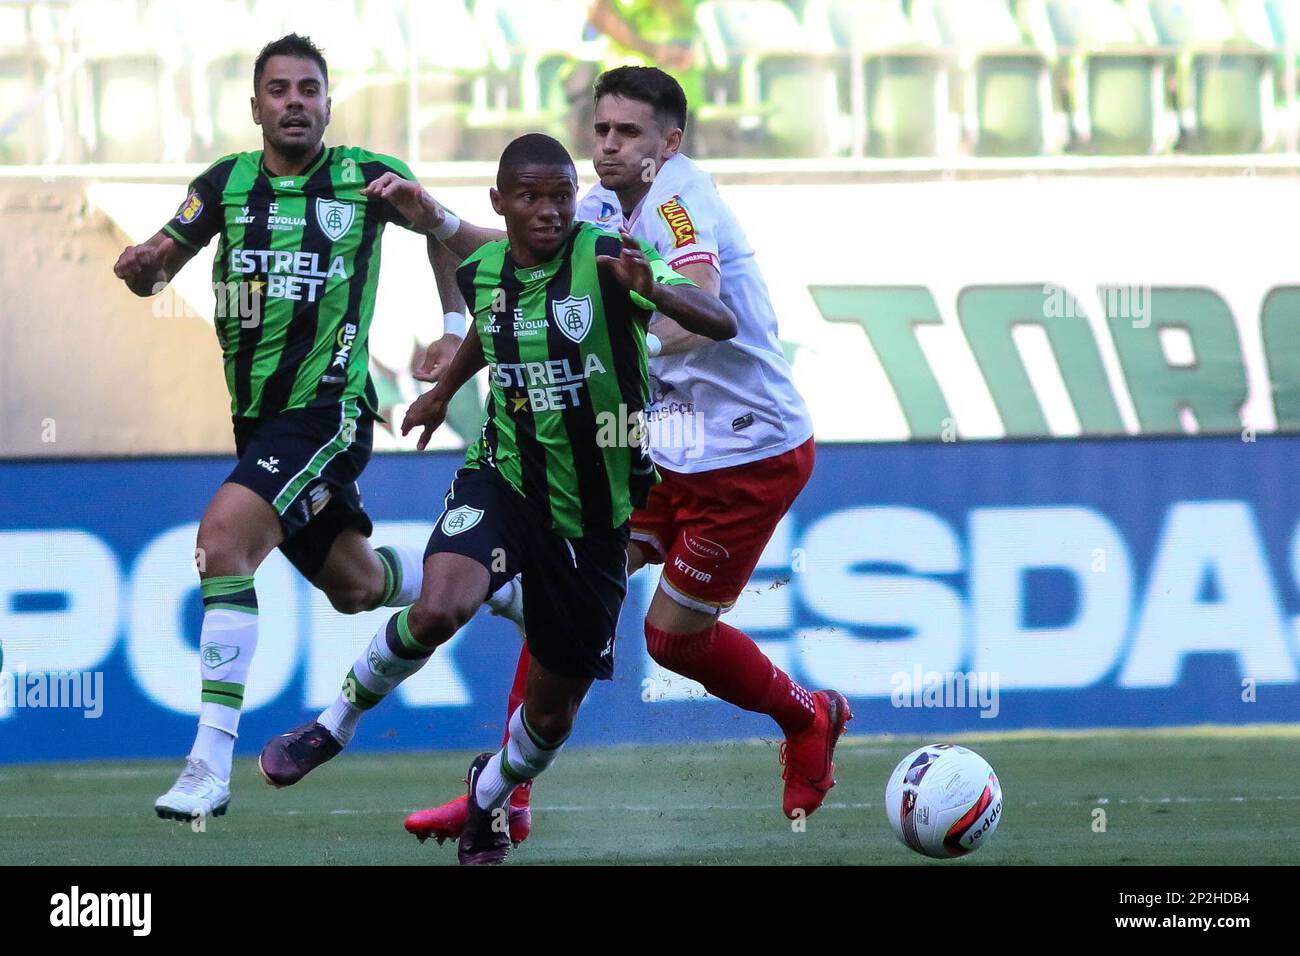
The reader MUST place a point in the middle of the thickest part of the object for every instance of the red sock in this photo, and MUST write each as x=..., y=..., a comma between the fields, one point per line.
x=732, y=668
x=516, y=690
x=513, y=702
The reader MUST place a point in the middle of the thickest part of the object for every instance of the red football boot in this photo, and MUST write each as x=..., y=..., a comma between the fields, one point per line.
x=448, y=821
x=809, y=768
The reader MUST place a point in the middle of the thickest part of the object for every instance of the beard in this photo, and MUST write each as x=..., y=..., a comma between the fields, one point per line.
x=295, y=148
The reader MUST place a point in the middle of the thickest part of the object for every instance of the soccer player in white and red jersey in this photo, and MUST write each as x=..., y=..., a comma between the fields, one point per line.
x=729, y=433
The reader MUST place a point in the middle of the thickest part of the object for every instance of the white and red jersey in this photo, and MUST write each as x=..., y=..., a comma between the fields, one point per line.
x=723, y=403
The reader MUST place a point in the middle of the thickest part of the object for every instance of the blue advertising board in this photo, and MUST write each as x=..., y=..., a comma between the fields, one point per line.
x=943, y=587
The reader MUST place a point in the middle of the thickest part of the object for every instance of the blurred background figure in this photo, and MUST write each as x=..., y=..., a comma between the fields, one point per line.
x=640, y=33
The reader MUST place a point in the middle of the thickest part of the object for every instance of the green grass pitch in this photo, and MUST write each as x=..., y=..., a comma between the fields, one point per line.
x=1197, y=796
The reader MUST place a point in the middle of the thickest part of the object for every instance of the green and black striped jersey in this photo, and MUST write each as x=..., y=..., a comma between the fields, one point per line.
x=565, y=347
x=295, y=274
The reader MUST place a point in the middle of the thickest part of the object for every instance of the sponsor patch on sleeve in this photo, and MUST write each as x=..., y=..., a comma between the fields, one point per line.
x=698, y=256
x=190, y=208
x=679, y=222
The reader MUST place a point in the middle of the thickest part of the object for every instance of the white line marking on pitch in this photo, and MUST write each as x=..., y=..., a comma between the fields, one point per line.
x=695, y=808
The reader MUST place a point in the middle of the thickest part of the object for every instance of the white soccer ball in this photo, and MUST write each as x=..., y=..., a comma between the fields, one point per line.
x=943, y=801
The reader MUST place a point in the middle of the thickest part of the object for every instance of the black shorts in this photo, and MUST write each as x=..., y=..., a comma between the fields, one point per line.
x=573, y=587
x=305, y=464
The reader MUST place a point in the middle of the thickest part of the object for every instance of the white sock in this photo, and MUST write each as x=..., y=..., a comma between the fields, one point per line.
x=340, y=719
x=216, y=748
x=227, y=643
x=391, y=657
x=404, y=574
x=508, y=601
x=521, y=759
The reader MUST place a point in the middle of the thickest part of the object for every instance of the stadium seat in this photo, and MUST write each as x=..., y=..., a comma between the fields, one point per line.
x=1115, y=82
x=1276, y=24
x=32, y=92
x=1255, y=21
x=220, y=75
x=1225, y=82
x=1007, y=90
x=368, y=95
x=777, y=81
x=448, y=53
x=531, y=45
x=1284, y=18
x=898, y=89
x=128, y=58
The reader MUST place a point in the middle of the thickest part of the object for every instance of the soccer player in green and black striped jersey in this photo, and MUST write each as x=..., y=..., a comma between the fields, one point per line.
x=560, y=312
x=295, y=273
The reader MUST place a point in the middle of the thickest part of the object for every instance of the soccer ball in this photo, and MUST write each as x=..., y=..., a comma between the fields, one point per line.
x=943, y=801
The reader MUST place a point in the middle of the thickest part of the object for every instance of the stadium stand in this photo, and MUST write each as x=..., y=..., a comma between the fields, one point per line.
x=33, y=72
x=897, y=87
x=1007, y=97
x=1114, y=83
x=776, y=79
x=1225, y=82
x=153, y=81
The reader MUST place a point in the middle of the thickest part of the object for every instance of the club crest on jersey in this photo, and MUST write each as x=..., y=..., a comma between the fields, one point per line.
x=461, y=519
x=572, y=317
x=679, y=222
x=216, y=655
x=335, y=217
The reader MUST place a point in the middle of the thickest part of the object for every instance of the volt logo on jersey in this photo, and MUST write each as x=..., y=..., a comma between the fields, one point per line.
x=572, y=317
x=461, y=519
x=335, y=217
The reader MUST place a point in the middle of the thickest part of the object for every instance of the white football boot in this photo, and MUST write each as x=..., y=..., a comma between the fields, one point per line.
x=198, y=792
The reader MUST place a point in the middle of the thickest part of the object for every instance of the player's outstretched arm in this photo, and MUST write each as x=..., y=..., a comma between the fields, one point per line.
x=147, y=268
x=430, y=409
x=427, y=215
x=430, y=364
x=691, y=307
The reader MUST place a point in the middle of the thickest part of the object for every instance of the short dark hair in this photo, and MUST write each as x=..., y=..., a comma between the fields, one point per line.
x=647, y=84
x=290, y=45
x=531, y=149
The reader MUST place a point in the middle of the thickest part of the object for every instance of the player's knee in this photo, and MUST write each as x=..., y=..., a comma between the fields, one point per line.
x=352, y=600
x=434, y=622
x=674, y=650
x=218, y=551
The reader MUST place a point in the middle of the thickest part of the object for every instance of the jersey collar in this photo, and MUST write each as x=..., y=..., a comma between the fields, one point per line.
x=295, y=182
x=544, y=270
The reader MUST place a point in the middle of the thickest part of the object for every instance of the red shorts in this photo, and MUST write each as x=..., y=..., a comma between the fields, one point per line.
x=709, y=529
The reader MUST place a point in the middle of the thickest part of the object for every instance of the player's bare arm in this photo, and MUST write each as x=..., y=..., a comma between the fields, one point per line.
x=427, y=215
x=674, y=339
x=429, y=410
x=431, y=363
x=692, y=308
x=147, y=268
